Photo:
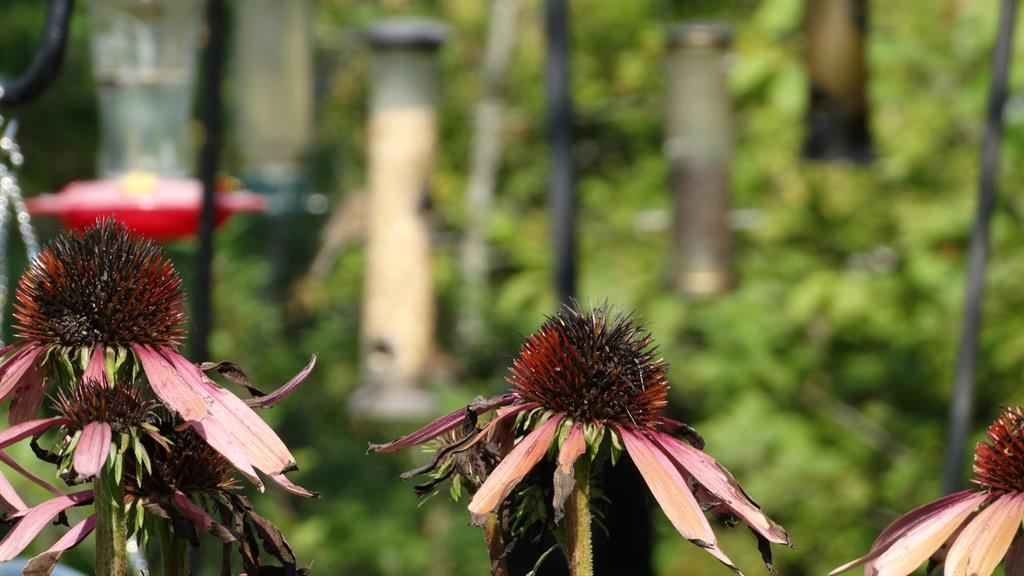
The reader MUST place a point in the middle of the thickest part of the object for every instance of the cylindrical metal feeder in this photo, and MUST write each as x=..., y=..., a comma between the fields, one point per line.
x=398, y=316
x=273, y=91
x=273, y=120
x=143, y=57
x=699, y=150
x=837, y=116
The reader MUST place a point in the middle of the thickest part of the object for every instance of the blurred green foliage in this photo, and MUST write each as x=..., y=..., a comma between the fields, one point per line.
x=822, y=381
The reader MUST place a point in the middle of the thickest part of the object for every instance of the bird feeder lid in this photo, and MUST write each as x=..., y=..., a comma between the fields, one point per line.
x=700, y=35
x=423, y=33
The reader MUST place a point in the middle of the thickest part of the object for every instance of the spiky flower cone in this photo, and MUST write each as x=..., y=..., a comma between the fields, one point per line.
x=592, y=385
x=104, y=287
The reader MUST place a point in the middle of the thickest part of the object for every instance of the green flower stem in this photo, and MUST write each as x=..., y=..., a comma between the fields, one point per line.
x=173, y=553
x=111, y=535
x=578, y=522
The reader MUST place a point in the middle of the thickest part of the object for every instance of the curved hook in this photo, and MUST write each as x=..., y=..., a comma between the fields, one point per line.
x=47, y=61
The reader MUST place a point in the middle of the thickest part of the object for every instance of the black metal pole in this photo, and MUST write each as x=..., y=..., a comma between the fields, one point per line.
x=209, y=158
x=977, y=259
x=47, y=60
x=561, y=192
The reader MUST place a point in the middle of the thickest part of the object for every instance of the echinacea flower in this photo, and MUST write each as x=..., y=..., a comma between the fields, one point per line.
x=592, y=379
x=30, y=521
x=967, y=533
x=105, y=300
x=91, y=415
x=188, y=480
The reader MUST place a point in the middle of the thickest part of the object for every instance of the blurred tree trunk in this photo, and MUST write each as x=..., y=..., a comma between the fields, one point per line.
x=484, y=160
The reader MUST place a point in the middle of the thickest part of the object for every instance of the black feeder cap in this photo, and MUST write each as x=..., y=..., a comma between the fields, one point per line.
x=418, y=33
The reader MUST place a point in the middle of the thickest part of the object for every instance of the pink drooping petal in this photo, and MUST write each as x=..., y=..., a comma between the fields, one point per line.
x=1013, y=564
x=257, y=440
x=193, y=511
x=284, y=391
x=572, y=447
x=243, y=427
x=12, y=371
x=35, y=519
x=96, y=370
x=92, y=449
x=984, y=541
x=918, y=543
x=212, y=433
x=669, y=487
x=293, y=488
x=28, y=396
x=902, y=525
x=76, y=534
x=672, y=493
x=716, y=479
x=514, y=466
x=12, y=347
x=9, y=499
x=46, y=562
x=30, y=428
x=442, y=425
x=6, y=459
x=178, y=394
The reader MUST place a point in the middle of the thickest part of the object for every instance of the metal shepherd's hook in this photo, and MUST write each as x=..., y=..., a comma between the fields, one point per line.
x=47, y=60
x=977, y=259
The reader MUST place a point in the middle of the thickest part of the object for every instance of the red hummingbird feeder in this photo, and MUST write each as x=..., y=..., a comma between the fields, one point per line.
x=143, y=58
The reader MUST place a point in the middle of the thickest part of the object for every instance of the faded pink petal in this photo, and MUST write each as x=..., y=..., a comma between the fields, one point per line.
x=918, y=543
x=984, y=541
x=46, y=562
x=12, y=347
x=12, y=371
x=248, y=432
x=30, y=428
x=76, y=534
x=211, y=431
x=92, y=449
x=293, y=488
x=571, y=449
x=96, y=370
x=284, y=391
x=669, y=488
x=514, y=466
x=721, y=483
x=28, y=396
x=171, y=386
x=442, y=425
x=6, y=459
x=35, y=519
x=193, y=511
x=9, y=498
x=905, y=523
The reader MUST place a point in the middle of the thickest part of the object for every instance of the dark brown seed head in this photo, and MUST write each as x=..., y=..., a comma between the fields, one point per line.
x=103, y=286
x=123, y=406
x=190, y=466
x=595, y=367
x=999, y=463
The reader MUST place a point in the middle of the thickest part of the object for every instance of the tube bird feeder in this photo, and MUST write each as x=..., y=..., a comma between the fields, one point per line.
x=398, y=315
x=699, y=150
x=837, y=116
